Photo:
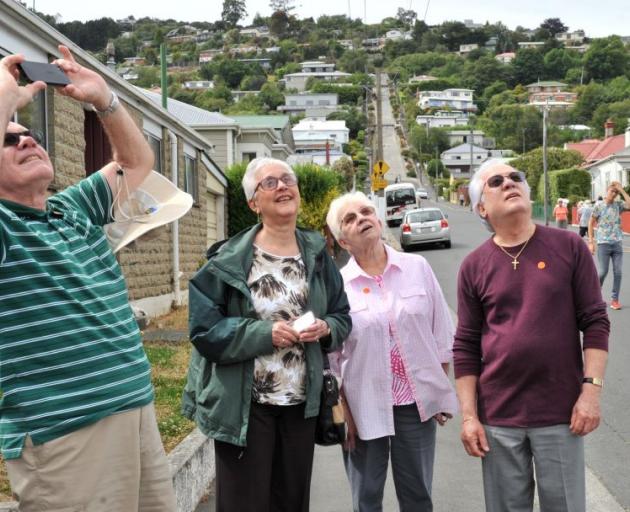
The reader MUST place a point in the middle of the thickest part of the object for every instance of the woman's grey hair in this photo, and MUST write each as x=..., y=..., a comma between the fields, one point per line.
x=475, y=189
x=250, y=181
x=333, y=218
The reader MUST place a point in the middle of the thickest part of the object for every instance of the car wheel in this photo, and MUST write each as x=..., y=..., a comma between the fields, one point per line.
x=447, y=245
x=404, y=247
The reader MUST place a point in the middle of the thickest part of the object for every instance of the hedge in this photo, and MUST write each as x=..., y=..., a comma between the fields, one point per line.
x=573, y=184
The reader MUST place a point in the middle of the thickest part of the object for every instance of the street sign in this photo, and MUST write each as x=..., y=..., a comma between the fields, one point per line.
x=380, y=167
x=378, y=183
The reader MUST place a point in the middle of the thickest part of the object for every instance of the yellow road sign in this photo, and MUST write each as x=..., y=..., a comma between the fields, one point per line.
x=380, y=167
x=378, y=183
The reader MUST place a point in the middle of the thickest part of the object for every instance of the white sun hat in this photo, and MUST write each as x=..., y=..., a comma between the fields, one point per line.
x=154, y=203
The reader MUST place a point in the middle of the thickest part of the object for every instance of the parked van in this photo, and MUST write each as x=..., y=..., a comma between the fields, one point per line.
x=399, y=198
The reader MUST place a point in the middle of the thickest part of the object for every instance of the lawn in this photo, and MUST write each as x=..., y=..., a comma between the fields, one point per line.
x=169, y=362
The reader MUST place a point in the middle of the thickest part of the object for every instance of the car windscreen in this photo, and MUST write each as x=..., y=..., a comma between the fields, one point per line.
x=427, y=216
x=399, y=197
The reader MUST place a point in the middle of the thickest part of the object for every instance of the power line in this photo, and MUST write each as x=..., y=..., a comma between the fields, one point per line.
x=426, y=11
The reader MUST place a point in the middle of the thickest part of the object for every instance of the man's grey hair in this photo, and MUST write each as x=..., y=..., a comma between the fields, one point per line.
x=475, y=189
x=333, y=218
x=250, y=178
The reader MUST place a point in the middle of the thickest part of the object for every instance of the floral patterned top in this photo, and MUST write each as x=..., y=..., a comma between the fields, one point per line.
x=279, y=292
x=608, y=217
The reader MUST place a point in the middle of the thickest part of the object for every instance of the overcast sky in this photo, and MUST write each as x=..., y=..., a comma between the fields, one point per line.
x=598, y=19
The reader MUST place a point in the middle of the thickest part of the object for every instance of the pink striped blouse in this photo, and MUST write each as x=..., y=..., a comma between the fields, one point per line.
x=411, y=301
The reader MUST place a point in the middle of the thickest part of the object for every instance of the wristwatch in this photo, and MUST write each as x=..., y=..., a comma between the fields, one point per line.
x=114, y=103
x=596, y=381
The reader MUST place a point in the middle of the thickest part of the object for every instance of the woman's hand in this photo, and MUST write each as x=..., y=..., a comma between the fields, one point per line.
x=283, y=335
x=351, y=429
x=442, y=418
x=318, y=329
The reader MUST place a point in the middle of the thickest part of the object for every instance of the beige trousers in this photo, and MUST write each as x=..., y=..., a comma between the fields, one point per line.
x=117, y=464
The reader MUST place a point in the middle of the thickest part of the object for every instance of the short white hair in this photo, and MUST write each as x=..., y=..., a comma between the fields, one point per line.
x=333, y=218
x=475, y=188
x=250, y=181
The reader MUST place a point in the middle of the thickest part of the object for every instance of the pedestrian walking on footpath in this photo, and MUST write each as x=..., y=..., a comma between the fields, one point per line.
x=394, y=364
x=561, y=214
x=584, y=215
x=529, y=388
x=609, y=237
x=77, y=421
x=254, y=381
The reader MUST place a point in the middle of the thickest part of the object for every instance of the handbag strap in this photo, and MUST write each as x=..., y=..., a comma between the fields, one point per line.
x=325, y=360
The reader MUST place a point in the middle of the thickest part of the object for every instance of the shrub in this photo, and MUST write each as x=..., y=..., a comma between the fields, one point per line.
x=574, y=184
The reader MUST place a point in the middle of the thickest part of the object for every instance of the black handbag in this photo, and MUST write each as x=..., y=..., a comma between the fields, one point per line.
x=331, y=425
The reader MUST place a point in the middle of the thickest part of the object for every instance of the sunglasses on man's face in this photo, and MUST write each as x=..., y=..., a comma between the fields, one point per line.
x=498, y=179
x=13, y=139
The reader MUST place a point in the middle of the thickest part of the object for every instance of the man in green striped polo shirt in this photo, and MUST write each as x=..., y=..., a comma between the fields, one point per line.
x=77, y=423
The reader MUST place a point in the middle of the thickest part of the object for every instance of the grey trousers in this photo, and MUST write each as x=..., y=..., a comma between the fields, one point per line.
x=412, y=453
x=508, y=469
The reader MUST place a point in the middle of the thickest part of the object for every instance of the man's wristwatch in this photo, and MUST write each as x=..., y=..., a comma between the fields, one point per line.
x=114, y=103
x=596, y=381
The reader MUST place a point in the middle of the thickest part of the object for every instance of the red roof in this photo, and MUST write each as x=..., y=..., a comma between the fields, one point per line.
x=593, y=150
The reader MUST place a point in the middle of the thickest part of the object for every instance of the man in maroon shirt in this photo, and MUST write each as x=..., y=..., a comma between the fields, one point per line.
x=529, y=388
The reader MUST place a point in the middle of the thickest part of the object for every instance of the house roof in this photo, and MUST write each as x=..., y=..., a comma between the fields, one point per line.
x=546, y=84
x=309, y=125
x=275, y=122
x=465, y=148
x=189, y=114
x=593, y=149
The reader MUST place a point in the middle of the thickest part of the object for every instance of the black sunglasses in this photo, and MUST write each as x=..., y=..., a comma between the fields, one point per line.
x=498, y=179
x=271, y=182
x=13, y=139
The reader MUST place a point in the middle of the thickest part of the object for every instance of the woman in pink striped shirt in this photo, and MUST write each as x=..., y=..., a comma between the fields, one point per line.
x=394, y=364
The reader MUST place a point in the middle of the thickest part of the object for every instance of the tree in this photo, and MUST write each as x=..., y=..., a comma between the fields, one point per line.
x=606, y=58
x=406, y=17
x=618, y=112
x=553, y=26
x=284, y=6
x=590, y=97
x=513, y=126
x=355, y=119
x=558, y=61
x=532, y=164
x=278, y=23
x=353, y=61
x=233, y=12
x=528, y=66
x=271, y=95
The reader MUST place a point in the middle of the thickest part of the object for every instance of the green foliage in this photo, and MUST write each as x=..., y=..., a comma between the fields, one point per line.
x=513, y=126
x=345, y=168
x=348, y=94
x=148, y=76
x=606, y=58
x=436, y=168
x=91, y=35
x=240, y=214
x=529, y=66
x=271, y=95
x=353, y=61
x=249, y=105
x=355, y=119
x=559, y=61
x=532, y=164
x=233, y=11
x=618, y=112
x=434, y=141
x=574, y=184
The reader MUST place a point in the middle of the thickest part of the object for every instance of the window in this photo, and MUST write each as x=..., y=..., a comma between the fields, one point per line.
x=191, y=184
x=98, y=151
x=33, y=116
x=156, y=146
x=248, y=157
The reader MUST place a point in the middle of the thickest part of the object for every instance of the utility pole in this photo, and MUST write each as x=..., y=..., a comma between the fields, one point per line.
x=472, y=138
x=379, y=118
x=545, y=174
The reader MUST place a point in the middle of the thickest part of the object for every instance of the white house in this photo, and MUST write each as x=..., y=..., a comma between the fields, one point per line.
x=615, y=167
x=574, y=38
x=443, y=118
x=477, y=137
x=457, y=160
x=506, y=57
x=311, y=135
x=465, y=49
x=198, y=85
x=298, y=81
x=457, y=99
x=208, y=55
x=316, y=66
x=254, y=32
x=530, y=45
x=311, y=104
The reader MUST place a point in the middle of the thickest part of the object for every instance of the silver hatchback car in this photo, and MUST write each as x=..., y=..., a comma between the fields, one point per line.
x=424, y=226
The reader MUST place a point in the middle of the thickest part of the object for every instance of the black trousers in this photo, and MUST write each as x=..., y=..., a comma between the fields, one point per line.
x=273, y=473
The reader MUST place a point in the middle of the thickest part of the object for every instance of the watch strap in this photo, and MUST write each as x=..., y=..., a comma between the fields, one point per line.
x=596, y=381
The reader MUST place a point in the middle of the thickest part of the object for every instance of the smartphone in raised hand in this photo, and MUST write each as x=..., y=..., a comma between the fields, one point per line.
x=48, y=73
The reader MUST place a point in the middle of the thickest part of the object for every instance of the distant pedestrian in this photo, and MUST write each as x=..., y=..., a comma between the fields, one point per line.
x=561, y=214
x=609, y=236
x=394, y=364
x=584, y=215
x=529, y=387
x=461, y=199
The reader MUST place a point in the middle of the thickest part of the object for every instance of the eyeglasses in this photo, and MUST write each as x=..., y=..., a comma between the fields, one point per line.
x=351, y=217
x=271, y=182
x=498, y=179
x=13, y=139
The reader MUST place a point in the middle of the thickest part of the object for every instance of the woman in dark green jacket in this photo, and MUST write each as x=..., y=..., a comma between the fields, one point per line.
x=254, y=378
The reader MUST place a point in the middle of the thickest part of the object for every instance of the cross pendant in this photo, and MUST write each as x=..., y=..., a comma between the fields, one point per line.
x=515, y=263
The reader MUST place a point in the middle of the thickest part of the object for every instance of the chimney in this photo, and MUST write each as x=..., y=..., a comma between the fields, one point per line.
x=627, y=144
x=609, y=127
